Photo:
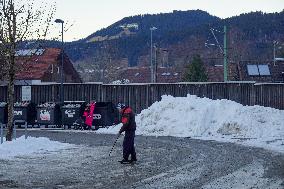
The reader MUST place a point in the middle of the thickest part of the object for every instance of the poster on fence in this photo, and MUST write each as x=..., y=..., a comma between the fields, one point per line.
x=26, y=93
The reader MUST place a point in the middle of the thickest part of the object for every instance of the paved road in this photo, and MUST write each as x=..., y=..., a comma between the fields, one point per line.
x=163, y=162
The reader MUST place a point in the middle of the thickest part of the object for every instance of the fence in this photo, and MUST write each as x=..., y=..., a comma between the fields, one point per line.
x=141, y=96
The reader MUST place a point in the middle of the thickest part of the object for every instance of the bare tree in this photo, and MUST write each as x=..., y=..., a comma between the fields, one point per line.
x=19, y=21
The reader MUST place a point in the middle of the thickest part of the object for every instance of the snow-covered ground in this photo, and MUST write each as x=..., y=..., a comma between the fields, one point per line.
x=206, y=119
x=191, y=116
x=30, y=146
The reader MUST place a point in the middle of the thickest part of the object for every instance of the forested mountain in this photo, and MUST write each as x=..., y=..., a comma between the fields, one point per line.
x=166, y=23
x=182, y=34
x=131, y=36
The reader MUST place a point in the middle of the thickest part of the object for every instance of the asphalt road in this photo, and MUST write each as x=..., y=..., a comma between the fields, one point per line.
x=163, y=162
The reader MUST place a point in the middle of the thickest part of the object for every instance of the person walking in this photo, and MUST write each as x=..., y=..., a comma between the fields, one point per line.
x=129, y=127
x=89, y=115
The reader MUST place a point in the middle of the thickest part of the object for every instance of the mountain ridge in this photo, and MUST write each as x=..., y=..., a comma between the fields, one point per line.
x=182, y=34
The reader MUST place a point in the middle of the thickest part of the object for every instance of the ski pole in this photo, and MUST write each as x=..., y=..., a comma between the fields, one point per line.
x=1, y=133
x=114, y=143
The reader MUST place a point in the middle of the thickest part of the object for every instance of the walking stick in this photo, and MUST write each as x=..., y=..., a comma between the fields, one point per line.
x=114, y=143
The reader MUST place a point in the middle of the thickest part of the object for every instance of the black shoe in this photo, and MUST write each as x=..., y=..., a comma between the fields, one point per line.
x=124, y=161
x=133, y=159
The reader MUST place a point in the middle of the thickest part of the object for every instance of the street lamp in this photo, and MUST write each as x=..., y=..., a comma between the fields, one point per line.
x=274, y=51
x=152, y=66
x=59, y=21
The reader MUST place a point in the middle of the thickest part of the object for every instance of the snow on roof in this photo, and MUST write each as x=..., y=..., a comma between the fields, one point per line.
x=279, y=59
x=166, y=74
x=30, y=52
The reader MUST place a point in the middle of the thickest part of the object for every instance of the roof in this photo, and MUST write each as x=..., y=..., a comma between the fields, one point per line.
x=279, y=59
x=29, y=52
x=275, y=71
x=35, y=66
x=38, y=65
x=32, y=71
x=216, y=73
x=49, y=56
x=143, y=75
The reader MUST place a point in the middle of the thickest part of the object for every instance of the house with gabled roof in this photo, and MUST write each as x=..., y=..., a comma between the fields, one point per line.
x=34, y=66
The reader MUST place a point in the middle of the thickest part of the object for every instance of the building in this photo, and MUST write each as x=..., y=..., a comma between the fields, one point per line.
x=215, y=73
x=258, y=71
x=262, y=71
x=143, y=75
x=43, y=65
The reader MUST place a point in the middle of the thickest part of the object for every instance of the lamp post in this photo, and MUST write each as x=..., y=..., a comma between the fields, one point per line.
x=225, y=55
x=155, y=64
x=151, y=56
x=59, y=21
x=274, y=51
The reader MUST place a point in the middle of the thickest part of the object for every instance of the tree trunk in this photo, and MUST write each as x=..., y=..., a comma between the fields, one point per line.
x=10, y=111
x=12, y=31
x=11, y=91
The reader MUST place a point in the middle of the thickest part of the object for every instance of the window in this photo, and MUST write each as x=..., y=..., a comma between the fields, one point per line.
x=258, y=70
x=252, y=70
x=263, y=69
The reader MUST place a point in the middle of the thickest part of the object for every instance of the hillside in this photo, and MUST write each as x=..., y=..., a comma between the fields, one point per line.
x=181, y=34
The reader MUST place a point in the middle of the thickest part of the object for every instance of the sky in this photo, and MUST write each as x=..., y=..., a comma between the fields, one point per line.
x=88, y=16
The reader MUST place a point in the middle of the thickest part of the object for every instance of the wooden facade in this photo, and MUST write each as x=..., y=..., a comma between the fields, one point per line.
x=141, y=96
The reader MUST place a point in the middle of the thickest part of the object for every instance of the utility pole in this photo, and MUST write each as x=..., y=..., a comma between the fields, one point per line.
x=274, y=52
x=224, y=51
x=155, y=64
x=225, y=55
x=151, y=56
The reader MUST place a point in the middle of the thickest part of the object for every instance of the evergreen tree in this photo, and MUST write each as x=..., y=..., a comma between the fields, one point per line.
x=195, y=71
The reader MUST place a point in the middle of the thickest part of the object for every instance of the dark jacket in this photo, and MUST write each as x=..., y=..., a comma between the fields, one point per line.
x=128, y=120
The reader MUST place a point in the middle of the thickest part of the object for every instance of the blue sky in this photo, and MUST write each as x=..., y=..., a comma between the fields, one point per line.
x=89, y=16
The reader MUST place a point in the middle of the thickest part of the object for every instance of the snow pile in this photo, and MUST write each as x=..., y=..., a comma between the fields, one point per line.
x=221, y=120
x=21, y=147
x=193, y=116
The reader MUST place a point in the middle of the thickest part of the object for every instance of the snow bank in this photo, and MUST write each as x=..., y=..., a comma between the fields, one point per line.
x=21, y=147
x=221, y=120
x=193, y=116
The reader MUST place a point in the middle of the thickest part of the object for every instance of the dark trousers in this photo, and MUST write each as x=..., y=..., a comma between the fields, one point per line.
x=128, y=145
